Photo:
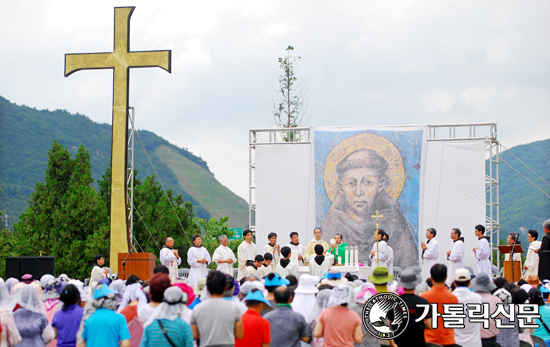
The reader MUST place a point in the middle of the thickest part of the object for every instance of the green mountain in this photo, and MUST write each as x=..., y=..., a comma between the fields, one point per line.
x=522, y=206
x=26, y=134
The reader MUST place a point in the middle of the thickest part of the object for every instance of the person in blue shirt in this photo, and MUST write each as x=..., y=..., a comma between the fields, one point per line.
x=102, y=326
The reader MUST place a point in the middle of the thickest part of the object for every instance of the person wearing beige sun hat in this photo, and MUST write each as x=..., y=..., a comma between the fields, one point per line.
x=333, y=278
x=380, y=277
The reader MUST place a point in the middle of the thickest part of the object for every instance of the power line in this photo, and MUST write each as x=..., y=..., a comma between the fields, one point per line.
x=524, y=164
x=519, y=173
x=140, y=217
x=167, y=197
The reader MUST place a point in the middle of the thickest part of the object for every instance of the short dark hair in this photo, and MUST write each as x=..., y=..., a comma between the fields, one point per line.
x=515, y=236
x=293, y=233
x=270, y=235
x=462, y=283
x=535, y=297
x=162, y=269
x=282, y=295
x=324, y=286
x=387, y=237
x=481, y=228
x=319, y=249
x=509, y=287
x=292, y=279
x=133, y=278
x=195, y=237
x=438, y=273
x=432, y=231
x=246, y=232
x=316, y=229
x=69, y=296
x=158, y=284
x=259, y=258
x=230, y=282
x=341, y=237
x=519, y=296
x=268, y=256
x=500, y=282
x=97, y=257
x=533, y=233
x=216, y=282
x=457, y=231
x=381, y=233
x=521, y=282
x=285, y=251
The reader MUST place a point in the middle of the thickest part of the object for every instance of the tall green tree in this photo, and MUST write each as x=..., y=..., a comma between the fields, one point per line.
x=66, y=217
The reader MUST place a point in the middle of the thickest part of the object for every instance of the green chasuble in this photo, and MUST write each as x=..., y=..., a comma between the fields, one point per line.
x=341, y=252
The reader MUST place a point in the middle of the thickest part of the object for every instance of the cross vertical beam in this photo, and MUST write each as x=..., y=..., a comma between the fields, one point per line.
x=120, y=61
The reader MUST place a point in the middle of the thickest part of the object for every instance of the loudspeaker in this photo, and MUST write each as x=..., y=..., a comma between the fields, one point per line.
x=45, y=265
x=27, y=265
x=12, y=267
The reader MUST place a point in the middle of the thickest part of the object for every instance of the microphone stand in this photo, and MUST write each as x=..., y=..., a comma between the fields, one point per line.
x=512, y=259
x=124, y=265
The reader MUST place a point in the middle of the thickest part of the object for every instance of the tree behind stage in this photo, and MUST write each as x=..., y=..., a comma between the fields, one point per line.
x=66, y=218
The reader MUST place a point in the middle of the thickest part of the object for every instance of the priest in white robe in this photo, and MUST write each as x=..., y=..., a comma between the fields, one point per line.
x=198, y=259
x=320, y=264
x=255, y=269
x=483, y=252
x=309, y=252
x=297, y=249
x=246, y=251
x=170, y=258
x=531, y=265
x=430, y=252
x=510, y=241
x=286, y=266
x=379, y=254
x=455, y=256
x=386, y=238
x=273, y=248
x=224, y=257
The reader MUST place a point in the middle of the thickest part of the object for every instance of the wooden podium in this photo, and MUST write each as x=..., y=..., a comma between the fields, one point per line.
x=140, y=264
x=512, y=268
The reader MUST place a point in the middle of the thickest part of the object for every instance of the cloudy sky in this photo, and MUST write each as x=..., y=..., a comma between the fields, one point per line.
x=365, y=62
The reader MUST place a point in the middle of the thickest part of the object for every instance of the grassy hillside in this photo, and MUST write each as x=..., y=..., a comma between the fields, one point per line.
x=523, y=206
x=26, y=134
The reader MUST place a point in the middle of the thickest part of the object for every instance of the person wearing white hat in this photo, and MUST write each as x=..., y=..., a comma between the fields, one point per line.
x=304, y=296
x=471, y=334
x=338, y=325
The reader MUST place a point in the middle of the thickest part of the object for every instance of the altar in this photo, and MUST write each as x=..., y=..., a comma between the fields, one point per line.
x=362, y=272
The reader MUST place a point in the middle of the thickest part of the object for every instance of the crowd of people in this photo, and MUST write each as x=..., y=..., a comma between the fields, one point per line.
x=268, y=303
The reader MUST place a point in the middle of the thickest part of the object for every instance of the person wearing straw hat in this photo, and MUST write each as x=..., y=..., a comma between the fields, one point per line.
x=101, y=326
x=258, y=331
x=338, y=325
x=287, y=326
x=304, y=296
x=333, y=278
x=470, y=335
x=381, y=277
x=413, y=335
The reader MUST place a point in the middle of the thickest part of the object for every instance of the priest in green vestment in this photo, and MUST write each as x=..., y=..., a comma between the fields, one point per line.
x=341, y=246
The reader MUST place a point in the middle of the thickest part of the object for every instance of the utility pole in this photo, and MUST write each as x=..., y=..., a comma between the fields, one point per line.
x=5, y=218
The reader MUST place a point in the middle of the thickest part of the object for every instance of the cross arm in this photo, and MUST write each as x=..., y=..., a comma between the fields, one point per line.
x=162, y=59
x=86, y=61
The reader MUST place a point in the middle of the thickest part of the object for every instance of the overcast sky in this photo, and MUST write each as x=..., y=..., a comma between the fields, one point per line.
x=366, y=63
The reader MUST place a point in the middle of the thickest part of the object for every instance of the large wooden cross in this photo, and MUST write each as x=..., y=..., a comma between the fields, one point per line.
x=120, y=61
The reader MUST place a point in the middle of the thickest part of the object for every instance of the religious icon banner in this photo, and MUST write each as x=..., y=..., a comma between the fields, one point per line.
x=359, y=171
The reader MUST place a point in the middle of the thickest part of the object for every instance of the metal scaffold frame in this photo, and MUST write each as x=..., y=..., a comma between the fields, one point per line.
x=437, y=132
x=130, y=178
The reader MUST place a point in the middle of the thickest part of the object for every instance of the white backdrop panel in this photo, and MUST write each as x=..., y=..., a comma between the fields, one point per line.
x=454, y=194
x=284, y=192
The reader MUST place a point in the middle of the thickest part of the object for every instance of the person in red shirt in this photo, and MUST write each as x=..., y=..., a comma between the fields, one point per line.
x=440, y=295
x=257, y=331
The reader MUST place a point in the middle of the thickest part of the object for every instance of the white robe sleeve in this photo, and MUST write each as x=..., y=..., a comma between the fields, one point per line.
x=167, y=256
x=484, y=250
x=241, y=256
x=97, y=274
x=232, y=256
x=457, y=254
x=206, y=256
x=531, y=259
x=217, y=256
x=383, y=253
x=432, y=252
x=191, y=258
